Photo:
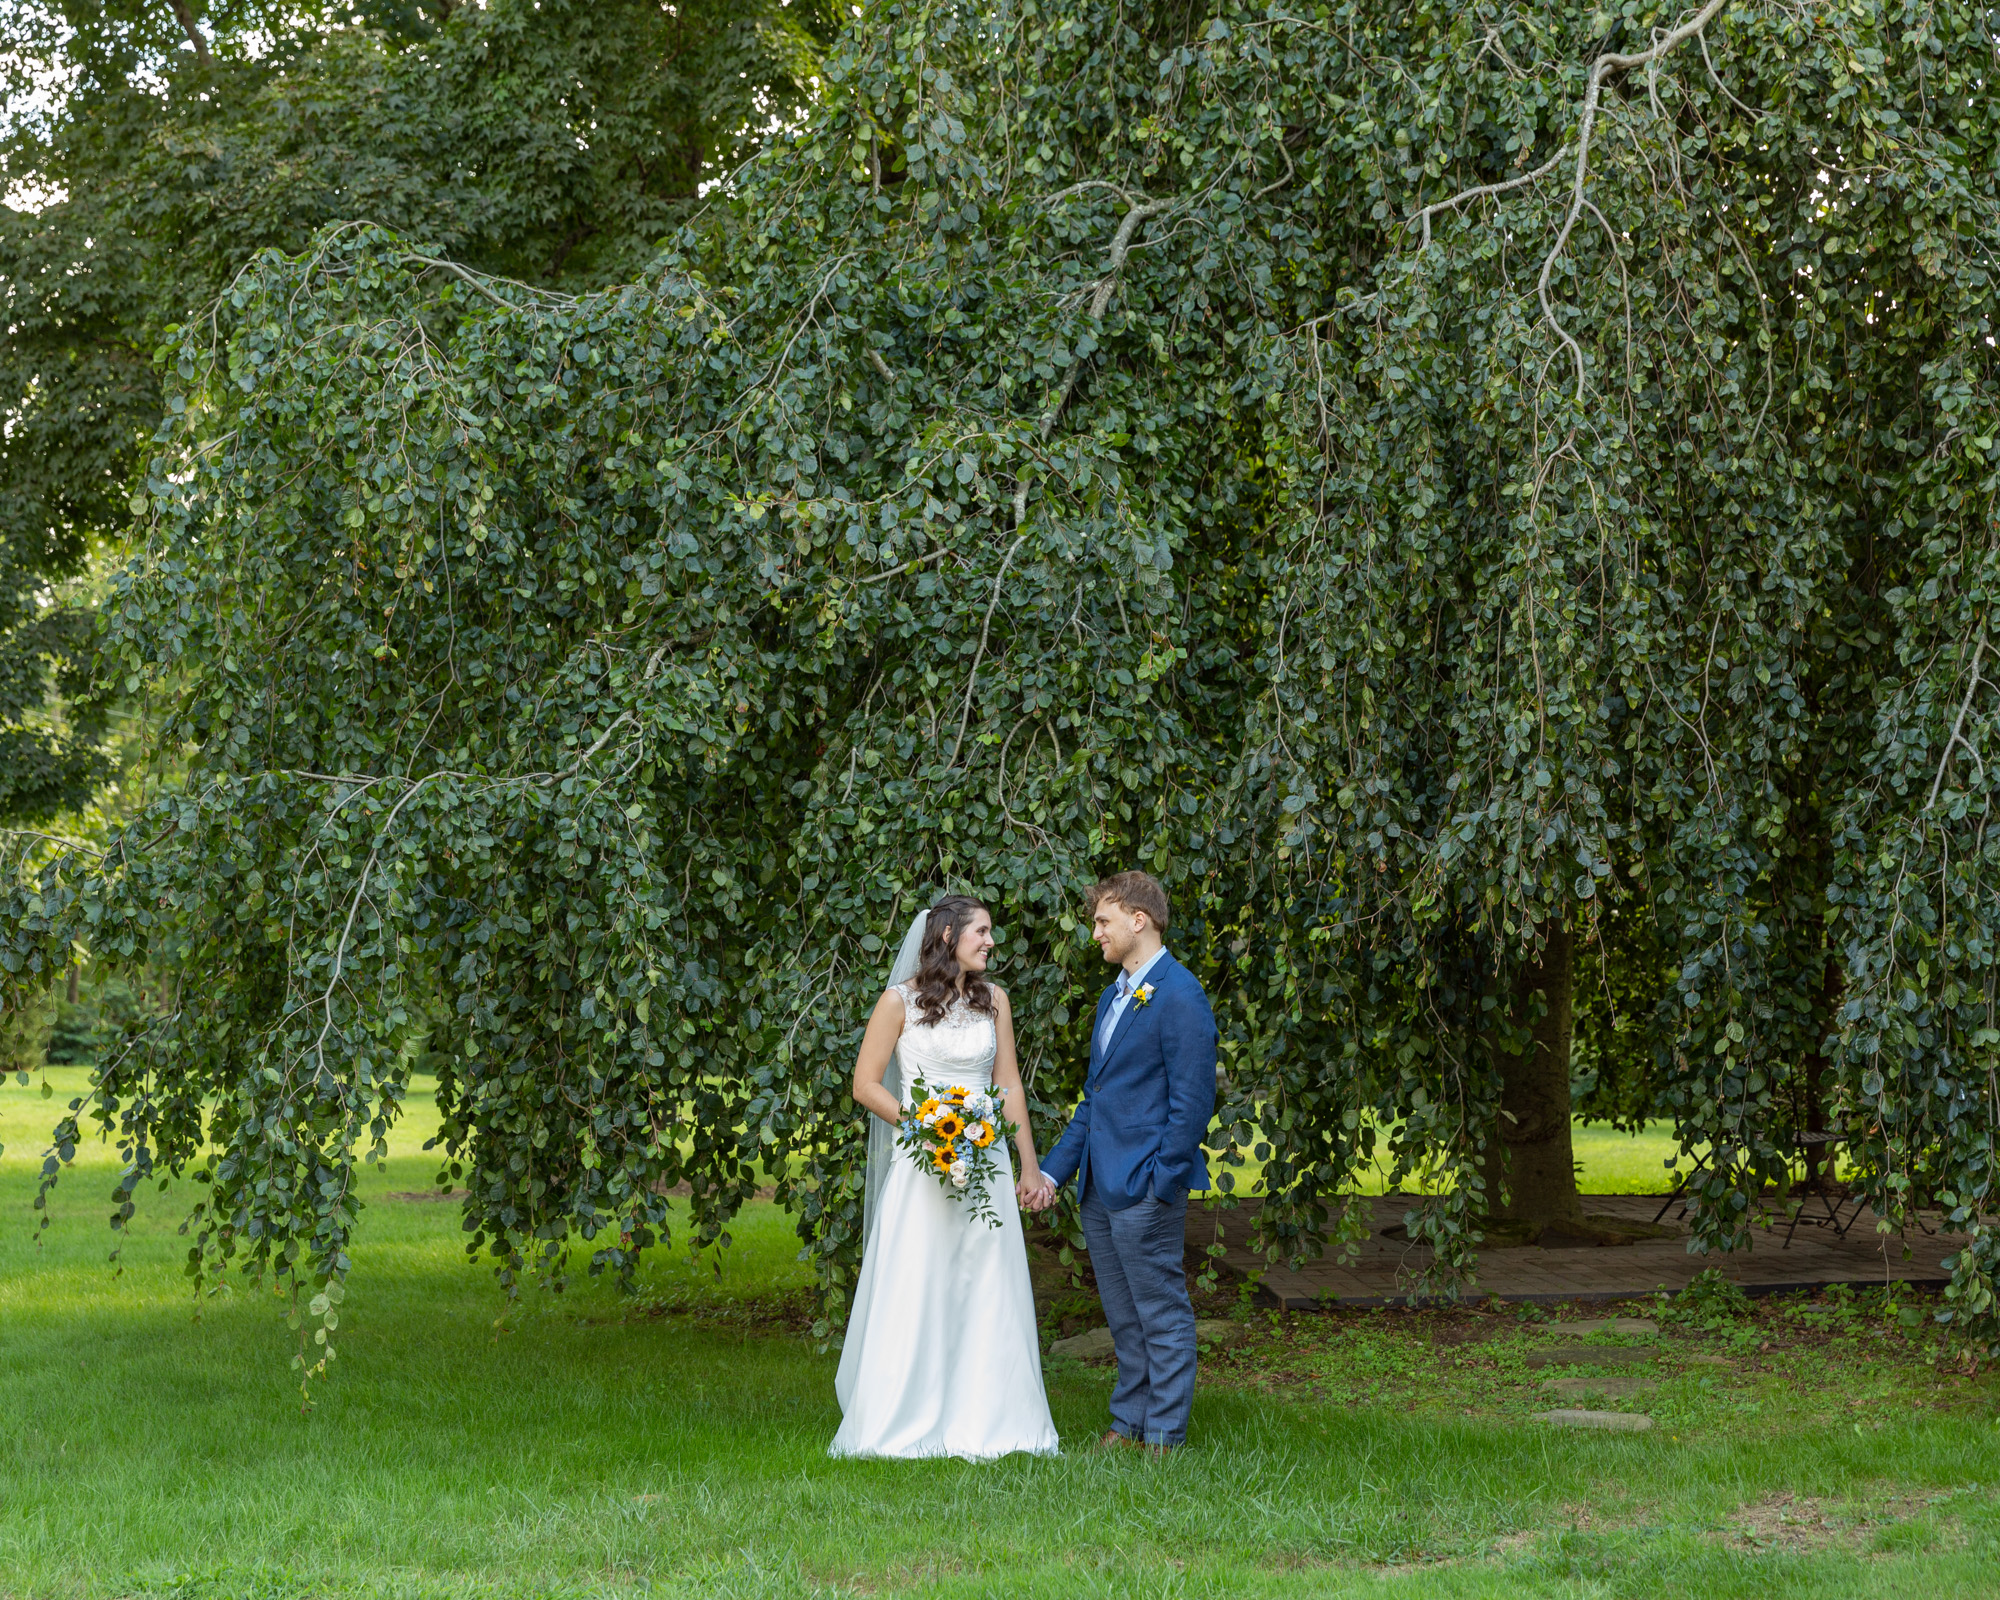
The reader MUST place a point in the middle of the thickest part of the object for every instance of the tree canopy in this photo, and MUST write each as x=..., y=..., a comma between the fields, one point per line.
x=1466, y=497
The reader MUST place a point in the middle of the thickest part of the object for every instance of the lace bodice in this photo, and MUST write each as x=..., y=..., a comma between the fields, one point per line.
x=957, y=1050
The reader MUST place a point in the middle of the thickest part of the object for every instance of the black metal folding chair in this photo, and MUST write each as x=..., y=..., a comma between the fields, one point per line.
x=1680, y=1190
x=1833, y=1204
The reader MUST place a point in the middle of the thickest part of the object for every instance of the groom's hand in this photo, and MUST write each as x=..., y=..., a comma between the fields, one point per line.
x=1038, y=1195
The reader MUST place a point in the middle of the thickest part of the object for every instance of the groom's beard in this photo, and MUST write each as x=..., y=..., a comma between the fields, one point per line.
x=1119, y=943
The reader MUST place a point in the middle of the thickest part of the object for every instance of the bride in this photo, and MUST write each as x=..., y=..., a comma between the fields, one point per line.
x=941, y=1356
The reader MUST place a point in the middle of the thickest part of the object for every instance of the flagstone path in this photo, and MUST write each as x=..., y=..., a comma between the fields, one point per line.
x=1386, y=1267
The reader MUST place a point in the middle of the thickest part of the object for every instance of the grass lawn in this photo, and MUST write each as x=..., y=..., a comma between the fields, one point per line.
x=599, y=1447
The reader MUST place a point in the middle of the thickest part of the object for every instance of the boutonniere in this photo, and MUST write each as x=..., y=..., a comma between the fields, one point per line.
x=1143, y=995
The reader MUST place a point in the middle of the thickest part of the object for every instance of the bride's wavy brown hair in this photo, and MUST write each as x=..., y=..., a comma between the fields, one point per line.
x=936, y=977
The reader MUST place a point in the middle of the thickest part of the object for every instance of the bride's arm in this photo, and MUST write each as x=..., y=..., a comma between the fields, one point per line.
x=885, y=1027
x=1013, y=1098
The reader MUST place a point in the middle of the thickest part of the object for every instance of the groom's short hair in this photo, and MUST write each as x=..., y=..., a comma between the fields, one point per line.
x=1135, y=891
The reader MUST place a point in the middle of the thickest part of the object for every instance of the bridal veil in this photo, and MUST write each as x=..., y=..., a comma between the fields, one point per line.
x=881, y=1135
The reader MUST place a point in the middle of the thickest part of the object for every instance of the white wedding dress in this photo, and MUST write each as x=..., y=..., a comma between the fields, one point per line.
x=942, y=1356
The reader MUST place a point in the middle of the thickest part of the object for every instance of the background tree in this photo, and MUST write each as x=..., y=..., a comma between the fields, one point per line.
x=1438, y=485
x=154, y=148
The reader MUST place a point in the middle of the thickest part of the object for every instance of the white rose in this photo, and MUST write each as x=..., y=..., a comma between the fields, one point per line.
x=958, y=1175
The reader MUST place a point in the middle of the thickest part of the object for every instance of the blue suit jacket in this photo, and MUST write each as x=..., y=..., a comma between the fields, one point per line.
x=1147, y=1098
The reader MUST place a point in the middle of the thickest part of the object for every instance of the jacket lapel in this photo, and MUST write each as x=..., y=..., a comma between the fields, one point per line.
x=1096, y=1026
x=1129, y=1021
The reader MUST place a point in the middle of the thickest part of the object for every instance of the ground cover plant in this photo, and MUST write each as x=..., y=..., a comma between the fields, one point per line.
x=672, y=1442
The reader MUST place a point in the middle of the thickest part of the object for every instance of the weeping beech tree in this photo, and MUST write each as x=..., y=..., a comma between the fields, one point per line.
x=1496, y=508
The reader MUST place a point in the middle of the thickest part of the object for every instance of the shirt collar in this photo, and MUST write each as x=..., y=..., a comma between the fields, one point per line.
x=1131, y=981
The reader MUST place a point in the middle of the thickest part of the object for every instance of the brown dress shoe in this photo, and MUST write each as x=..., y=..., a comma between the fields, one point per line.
x=1114, y=1440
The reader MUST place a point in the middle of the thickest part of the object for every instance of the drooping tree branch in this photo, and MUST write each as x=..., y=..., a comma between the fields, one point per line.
x=1600, y=69
x=481, y=282
x=1422, y=219
x=1957, y=735
x=1140, y=208
x=986, y=628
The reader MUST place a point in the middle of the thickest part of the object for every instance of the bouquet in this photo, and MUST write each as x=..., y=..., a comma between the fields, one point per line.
x=950, y=1133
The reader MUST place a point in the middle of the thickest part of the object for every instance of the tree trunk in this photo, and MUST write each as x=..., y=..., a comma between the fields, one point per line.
x=1529, y=1167
x=185, y=18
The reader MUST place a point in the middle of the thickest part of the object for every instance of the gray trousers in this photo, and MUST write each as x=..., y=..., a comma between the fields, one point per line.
x=1137, y=1256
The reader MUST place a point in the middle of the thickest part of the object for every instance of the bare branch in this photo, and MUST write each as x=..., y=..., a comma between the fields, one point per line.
x=972, y=677
x=1092, y=183
x=1491, y=43
x=805, y=321
x=1423, y=217
x=1000, y=785
x=1600, y=69
x=1278, y=183
x=185, y=18
x=481, y=283
x=903, y=568
x=1139, y=209
x=353, y=911
x=1740, y=106
x=52, y=838
x=623, y=719
x=1957, y=736
x=1664, y=45
x=1121, y=245
x=1100, y=300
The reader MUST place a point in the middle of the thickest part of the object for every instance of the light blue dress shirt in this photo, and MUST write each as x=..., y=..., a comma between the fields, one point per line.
x=1127, y=982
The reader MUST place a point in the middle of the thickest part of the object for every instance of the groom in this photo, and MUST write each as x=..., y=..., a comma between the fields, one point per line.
x=1135, y=1148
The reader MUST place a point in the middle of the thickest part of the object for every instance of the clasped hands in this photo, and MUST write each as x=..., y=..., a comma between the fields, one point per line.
x=1036, y=1193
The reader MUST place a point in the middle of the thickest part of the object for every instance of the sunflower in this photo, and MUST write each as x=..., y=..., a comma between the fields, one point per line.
x=949, y=1126
x=927, y=1108
x=982, y=1134
x=941, y=1158
x=956, y=1094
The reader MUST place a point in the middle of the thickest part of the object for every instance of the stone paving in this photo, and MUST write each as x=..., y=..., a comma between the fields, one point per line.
x=1383, y=1273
